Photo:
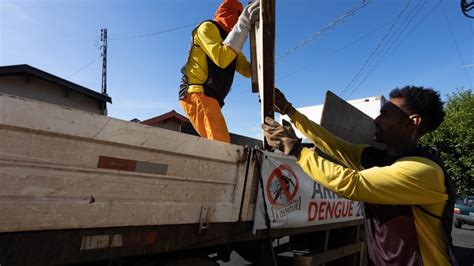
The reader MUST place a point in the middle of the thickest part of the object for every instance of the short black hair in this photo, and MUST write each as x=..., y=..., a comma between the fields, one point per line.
x=425, y=102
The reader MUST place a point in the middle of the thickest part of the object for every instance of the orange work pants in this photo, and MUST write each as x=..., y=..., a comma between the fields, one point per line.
x=206, y=116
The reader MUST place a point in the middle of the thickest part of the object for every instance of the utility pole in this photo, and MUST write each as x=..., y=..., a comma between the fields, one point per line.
x=103, y=38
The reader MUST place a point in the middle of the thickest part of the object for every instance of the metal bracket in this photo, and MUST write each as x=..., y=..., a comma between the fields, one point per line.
x=243, y=156
x=204, y=220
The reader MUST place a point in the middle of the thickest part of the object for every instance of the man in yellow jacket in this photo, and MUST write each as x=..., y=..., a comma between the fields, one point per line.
x=214, y=56
x=408, y=197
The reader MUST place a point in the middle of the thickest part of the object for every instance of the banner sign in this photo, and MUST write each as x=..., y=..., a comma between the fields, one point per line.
x=294, y=199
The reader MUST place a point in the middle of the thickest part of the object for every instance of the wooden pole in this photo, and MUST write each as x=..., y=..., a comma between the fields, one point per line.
x=263, y=59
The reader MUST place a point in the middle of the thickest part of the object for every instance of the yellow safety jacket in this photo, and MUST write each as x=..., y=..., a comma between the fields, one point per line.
x=404, y=199
x=211, y=65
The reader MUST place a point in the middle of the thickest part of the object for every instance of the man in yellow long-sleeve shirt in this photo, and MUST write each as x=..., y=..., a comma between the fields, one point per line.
x=408, y=198
x=214, y=56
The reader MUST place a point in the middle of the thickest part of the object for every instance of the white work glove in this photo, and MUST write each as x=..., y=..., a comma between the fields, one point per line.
x=238, y=35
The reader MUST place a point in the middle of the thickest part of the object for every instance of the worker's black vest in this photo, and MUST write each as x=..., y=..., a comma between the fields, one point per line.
x=219, y=80
x=390, y=229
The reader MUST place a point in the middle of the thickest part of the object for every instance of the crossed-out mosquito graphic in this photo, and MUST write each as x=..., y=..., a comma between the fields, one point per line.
x=289, y=185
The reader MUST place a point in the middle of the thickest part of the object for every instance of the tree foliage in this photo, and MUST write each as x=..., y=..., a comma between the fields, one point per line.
x=455, y=140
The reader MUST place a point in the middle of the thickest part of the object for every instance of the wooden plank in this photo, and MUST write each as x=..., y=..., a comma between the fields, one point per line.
x=268, y=45
x=347, y=122
x=63, y=168
x=327, y=256
x=38, y=196
x=253, y=60
x=265, y=56
x=33, y=115
x=37, y=147
x=309, y=229
x=250, y=191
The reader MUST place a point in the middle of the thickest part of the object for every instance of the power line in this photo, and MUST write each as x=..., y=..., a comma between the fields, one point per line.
x=313, y=37
x=306, y=66
x=417, y=25
x=411, y=16
x=366, y=63
x=456, y=44
x=378, y=53
x=399, y=43
x=394, y=46
x=83, y=67
x=153, y=33
x=338, y=21
x=361, y=38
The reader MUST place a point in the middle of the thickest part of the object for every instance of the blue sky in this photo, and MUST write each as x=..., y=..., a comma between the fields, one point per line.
x=62, y=36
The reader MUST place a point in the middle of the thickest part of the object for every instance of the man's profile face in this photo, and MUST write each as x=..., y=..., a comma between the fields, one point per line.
x=391, y=124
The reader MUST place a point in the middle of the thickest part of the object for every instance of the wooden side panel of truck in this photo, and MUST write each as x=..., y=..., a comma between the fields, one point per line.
x=67, y=169
x=77, y=187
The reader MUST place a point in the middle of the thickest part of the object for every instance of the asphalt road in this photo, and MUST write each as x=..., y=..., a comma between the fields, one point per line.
x=463, y=240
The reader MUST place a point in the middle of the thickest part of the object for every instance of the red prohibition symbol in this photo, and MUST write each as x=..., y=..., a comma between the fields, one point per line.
x=282, y=185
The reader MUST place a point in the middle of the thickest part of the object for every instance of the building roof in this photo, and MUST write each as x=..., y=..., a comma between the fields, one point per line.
x=29, y=70
x=172, y=115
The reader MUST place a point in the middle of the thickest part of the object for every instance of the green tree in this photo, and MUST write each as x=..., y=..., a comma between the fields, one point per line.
x=455, y=139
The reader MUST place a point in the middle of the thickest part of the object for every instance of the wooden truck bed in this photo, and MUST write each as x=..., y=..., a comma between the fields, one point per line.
x=66, y=169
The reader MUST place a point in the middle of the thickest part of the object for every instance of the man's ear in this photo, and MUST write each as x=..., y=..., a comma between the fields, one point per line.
x=415, y=120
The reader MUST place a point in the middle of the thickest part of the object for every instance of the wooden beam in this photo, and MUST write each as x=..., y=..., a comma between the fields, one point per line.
x=327, y=256
x=82, y=170
x=253, y=60
x=264, y=50
x=347, y=122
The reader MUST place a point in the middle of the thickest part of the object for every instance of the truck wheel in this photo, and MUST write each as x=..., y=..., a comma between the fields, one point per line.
x=457, y=223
